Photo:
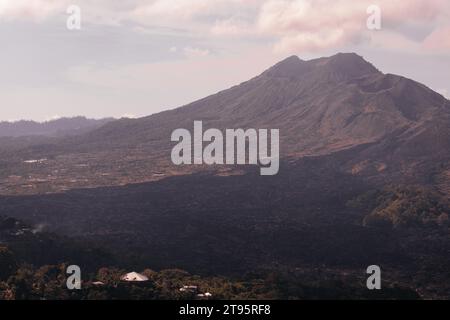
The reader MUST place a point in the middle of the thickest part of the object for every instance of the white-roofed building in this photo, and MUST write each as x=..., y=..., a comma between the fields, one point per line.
x=134, y=277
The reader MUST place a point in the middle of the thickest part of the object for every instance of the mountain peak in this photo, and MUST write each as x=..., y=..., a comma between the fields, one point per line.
x=350, y=65
x=289, y=67
x=341, y=57
x=292, y=59
x=342, y=65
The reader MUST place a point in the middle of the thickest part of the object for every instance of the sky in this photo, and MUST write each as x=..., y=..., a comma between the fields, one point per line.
x=133, y=58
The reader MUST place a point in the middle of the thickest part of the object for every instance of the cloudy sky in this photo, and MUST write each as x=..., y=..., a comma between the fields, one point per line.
x=138, y=57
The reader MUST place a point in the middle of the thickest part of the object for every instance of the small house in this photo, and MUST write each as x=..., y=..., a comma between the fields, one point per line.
x=190, y=289
x=134, y=277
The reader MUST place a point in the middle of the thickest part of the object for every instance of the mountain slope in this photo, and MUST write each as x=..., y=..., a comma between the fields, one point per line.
x=396, y=126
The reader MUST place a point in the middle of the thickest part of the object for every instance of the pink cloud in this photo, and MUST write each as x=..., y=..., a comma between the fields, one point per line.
x=36, y=10
x=322, y=24
x=438, y=40
x=293, y=25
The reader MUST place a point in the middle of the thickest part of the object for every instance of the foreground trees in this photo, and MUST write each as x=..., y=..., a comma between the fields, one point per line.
x=48, y=283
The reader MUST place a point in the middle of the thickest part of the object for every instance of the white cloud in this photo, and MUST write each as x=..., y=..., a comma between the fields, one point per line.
x=191, y=52
x=52, y=118
x=232, y=26
x=178, y=9
x=129, y=116
x=190, y=9
x=443, y=92
x=195, y=52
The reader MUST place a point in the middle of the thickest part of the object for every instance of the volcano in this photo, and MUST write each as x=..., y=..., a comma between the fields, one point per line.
x=393, y=127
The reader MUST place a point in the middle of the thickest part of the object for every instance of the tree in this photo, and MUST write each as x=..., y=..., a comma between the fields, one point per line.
x=8, y=265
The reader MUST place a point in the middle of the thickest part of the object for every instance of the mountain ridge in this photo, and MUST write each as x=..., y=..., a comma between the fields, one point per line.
x=321, y=106
x=267, y=101
x=58, y=127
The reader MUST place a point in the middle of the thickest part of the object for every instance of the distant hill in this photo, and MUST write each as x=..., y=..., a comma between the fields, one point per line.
x=53, y=128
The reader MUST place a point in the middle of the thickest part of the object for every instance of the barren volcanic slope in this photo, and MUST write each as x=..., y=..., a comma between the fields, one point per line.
x=320, y=106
